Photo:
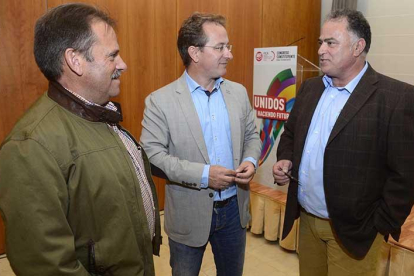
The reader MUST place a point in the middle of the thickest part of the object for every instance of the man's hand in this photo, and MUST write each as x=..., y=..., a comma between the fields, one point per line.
x=279, y=169
x=245, y=173
x=220, y=178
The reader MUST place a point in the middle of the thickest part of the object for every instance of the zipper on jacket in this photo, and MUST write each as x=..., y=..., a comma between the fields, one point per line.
x=91, y=257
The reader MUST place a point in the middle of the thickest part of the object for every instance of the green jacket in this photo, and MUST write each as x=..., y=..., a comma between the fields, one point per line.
x=69, y=195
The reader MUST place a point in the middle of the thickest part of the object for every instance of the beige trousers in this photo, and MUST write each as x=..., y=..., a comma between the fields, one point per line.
x=321, y=253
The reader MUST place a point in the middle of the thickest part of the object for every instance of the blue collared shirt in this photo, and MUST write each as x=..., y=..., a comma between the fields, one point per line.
x=215, y=123
x=311, y=193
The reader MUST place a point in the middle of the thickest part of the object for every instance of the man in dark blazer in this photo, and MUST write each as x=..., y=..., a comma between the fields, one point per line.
x=348, y=153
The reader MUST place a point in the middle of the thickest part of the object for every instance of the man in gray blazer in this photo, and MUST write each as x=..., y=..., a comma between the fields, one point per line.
x=200, y=131
x=349, y=142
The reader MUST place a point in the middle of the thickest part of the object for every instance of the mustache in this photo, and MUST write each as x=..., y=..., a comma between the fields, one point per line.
x=116, y=74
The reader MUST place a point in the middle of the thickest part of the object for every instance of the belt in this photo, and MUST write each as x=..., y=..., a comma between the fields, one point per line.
x=312, y=215
x=223, y=203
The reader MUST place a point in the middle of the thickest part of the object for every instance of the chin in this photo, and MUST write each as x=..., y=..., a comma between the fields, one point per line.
x=222, y=73
x=325, y=70
x=114, y=93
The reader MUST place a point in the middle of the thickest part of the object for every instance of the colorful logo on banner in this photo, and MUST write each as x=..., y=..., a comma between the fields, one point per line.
x=274, y=109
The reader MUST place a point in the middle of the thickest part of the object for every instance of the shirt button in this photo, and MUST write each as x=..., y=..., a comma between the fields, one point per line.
x=210, y=195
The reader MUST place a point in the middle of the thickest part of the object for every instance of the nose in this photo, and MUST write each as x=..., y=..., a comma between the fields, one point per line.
x=228, y=54
x=121, y=65
x=322, y=49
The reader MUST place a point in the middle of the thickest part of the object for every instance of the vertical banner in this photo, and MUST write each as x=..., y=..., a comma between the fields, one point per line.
x=274, y=92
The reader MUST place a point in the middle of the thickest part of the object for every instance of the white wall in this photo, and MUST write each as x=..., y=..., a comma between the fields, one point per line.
x=326, y=6
x=392, y=46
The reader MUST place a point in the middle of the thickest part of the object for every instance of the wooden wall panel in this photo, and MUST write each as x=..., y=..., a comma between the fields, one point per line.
x=285, y=22
x=21, y=83
x=244, y=28
x=293, y=22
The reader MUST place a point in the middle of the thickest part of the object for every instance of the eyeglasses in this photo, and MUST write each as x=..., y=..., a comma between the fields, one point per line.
x=220, y=48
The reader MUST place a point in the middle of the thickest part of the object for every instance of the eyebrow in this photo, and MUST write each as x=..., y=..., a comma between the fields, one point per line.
x=113, y=53
x=221, y=43
x=327, y=39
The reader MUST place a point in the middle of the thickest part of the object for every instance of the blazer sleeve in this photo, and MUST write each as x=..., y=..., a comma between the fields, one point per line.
x=155, y=139
x=398, y=191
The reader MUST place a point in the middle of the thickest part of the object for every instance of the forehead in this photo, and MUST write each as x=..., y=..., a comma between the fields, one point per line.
x=336, y=29
x=105, y=34
x=215, y=32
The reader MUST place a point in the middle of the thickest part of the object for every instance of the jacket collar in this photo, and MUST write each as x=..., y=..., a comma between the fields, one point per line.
x=93, y=113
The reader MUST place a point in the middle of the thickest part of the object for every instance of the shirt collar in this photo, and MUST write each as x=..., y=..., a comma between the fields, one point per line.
x=109, y=105
x=193, y=85
x=350, y=87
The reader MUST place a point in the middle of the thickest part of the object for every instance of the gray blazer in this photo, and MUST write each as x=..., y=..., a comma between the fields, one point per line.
x=173, y=139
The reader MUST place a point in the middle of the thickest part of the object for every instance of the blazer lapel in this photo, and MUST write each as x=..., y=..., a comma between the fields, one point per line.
x=232, y=109
x=356, y=101
x=191, y=115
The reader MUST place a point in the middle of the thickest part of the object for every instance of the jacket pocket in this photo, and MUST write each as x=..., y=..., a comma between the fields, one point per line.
x=93, y=268
x=91, y=258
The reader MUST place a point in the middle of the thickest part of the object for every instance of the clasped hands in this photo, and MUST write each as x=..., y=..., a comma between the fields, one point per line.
x=220, y=178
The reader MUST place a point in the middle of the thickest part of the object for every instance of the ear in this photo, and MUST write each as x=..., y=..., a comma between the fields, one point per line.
x=193, y=51
x=359, y=47
x=74, y=60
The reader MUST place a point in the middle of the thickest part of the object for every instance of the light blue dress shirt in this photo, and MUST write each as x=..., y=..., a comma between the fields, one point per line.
x=214, y=121
x=311, y=193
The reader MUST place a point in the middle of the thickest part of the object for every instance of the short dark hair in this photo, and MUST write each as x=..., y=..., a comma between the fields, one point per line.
x=357, y=24
x=63, y=27
x=192, y=34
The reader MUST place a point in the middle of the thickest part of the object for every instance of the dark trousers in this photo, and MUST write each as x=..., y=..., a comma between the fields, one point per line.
x=228, y=242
